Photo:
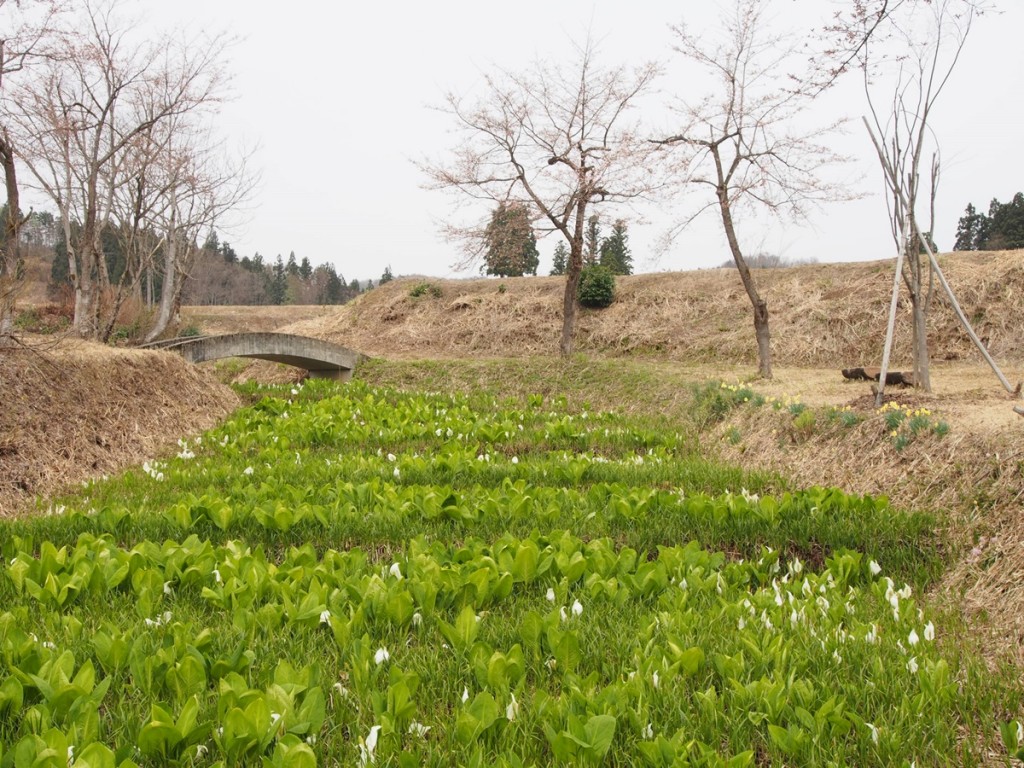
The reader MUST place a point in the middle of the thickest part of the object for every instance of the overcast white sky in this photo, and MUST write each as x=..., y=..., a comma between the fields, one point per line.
x=337, y=99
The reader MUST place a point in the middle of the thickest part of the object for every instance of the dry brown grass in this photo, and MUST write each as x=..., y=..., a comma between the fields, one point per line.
x=78, y=410
x=821, y=315
x=235, y=319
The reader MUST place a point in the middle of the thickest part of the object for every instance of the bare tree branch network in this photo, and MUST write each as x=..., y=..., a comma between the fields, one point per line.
x=25, y=31
x=112, y=127
x=905, y=72
x=744, y=146
x=557, y=140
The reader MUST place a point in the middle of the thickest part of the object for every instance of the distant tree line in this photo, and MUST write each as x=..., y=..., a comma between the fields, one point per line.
x=221, y=277
x=765, y=260
x=218, y=275
x=1001, y=229
x=510, y=245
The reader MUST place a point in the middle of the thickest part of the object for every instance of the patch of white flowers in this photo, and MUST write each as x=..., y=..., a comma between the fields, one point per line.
x=154, y=470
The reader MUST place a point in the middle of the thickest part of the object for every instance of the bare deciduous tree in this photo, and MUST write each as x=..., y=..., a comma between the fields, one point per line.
x=200, y=186
x=742, y=142
x=81, y=121
x=24, y=27
x=929, y=38
x=556, y=140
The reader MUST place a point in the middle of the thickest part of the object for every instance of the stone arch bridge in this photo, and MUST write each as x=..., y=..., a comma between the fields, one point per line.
x=322, y=359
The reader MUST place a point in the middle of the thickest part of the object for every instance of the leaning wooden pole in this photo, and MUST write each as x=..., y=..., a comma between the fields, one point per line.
x=965, y=322
x=895, y=188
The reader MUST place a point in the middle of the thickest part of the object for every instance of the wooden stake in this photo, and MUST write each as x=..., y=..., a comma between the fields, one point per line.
x=894, y=185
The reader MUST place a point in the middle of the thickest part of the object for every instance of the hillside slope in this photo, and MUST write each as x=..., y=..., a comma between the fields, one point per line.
x=821, y=315
x=80, y=410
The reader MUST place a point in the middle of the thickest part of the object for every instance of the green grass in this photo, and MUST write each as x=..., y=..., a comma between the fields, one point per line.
x=535, y=577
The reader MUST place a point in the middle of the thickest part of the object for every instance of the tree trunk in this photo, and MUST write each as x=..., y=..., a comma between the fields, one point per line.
x=922, y=373
x=11, y=263
x=919, y=313
x=167, y=287
x=86, y=322
x=763, y=334
x=760, y=306
x=572, y=280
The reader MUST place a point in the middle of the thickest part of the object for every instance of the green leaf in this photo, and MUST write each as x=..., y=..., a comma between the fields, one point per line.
x=464, y=632
x=12, y=695
x=566, y=650
x=563, y=747
x=313, y=710
x=600, y=730
x=291, y=752
x=188, y=676
x=158, y=738
x=531, y=627
x=95, y=755
x=790, y=740
x=481, y=714
x=742, y=760
x=524, y=567
x=1011, y=738
x=400, y=608
x=689, y=660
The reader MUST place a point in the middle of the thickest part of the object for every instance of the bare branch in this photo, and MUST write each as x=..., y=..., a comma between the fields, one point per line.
x=742, y=140
x=554, y=140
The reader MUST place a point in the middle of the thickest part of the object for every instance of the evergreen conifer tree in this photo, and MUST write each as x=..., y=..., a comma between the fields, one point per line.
x=560, y=259
x=967, y=230
x=277, y=289
x=615, y=253
x=511, y=244
x=592, y=245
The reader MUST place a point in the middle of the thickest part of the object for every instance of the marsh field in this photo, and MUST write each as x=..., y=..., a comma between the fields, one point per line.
x=611, y=560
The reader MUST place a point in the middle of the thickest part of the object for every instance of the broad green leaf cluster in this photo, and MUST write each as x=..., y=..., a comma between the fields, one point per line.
x=365, y=577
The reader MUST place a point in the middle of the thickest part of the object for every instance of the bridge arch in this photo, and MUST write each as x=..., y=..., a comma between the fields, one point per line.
x=322, y=359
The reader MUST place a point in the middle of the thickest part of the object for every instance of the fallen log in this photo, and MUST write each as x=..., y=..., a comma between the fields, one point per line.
x=898, y=378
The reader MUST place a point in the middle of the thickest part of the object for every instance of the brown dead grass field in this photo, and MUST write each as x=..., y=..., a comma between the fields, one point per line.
x=234, y=319
x=74, y=410
x=821, y=316
x=664, y=331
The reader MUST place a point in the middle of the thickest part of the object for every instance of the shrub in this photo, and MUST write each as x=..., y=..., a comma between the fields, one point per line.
x=51, y=318
x=27, y=319
x=712, y=401
x=805, y=422
x=597, y=286
x=422, y=289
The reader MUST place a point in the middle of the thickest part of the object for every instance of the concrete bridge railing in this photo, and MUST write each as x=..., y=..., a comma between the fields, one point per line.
x=322, y=359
